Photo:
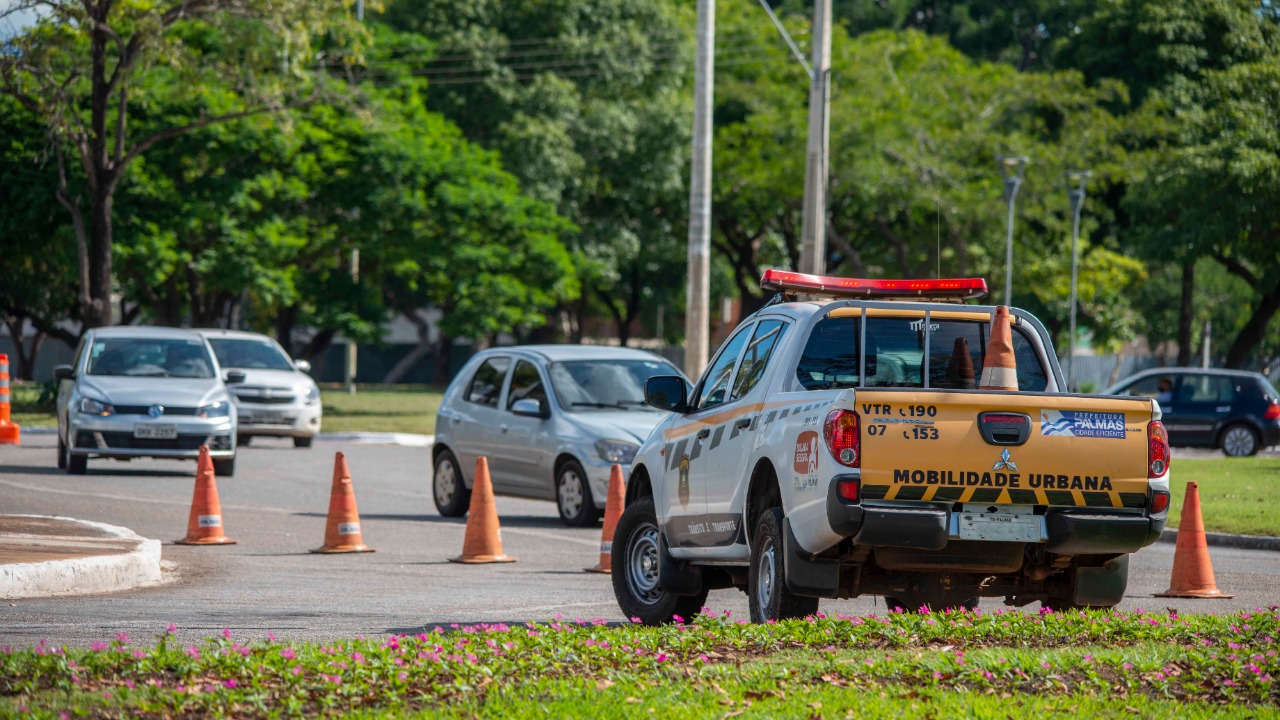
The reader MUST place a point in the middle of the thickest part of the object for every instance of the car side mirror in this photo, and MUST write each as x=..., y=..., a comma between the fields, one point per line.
x=302, y=365
x=234, y=376
x=667, y=392
x=530, y=407
x=64, y=372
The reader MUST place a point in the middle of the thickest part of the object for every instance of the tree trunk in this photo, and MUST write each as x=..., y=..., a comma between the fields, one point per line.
x=415, y=356
x=319, y=343
x=286, y=318
x=444, y=360
x=1185, y=318
x=98, y=312
x=1250, y=336
x=25, y=365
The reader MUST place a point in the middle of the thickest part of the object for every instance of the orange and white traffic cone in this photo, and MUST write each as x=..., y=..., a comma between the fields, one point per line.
x=204, y=526
x=1192, y=570
x=999, y=369
x=960, y=369
x=10, y=433
x=342, y=529
x=483, y=541
x=612, y=511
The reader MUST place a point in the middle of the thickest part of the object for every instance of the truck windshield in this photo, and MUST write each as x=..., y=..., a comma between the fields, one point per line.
x=896, y=353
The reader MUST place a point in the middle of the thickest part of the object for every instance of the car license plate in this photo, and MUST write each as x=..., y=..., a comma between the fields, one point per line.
x=992, y=526
x=268, y=418
x=156, y=432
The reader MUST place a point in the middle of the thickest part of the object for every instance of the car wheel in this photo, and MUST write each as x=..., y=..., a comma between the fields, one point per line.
x=62, y=454
x=244, y=440
x=224, y=468
x=303, y=442
x=1239, y=440
x=635, y=570
x=768, y=596
x=450, y=491
x=573, y=496
x=75, y=464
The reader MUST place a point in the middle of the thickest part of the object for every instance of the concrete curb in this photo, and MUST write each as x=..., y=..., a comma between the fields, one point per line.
x=359, y=438
x=1242, y=542
x=139, y=566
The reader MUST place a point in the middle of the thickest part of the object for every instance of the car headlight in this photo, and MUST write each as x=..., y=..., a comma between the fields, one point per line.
x=313, y=395
x=616, y=451
x=219, y=409
x=89, y=406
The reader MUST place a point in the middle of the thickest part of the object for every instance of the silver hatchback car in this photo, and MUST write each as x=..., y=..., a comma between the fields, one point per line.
x=144, y=392
x=551, y=419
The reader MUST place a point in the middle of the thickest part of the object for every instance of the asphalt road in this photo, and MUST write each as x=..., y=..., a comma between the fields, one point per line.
x=275, y=508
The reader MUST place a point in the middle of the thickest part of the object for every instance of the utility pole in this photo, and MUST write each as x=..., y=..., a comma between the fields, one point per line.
x=1204, y=350
x=813, y=232
x=697, y=313
x=349, y=371
x=1011, y=170
x=1076, y=180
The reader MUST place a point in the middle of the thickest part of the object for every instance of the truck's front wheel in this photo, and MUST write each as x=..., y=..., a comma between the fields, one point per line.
x=767, y=591
x=635, y=570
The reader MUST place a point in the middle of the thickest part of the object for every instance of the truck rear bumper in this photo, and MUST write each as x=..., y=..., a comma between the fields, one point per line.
x=1068, y=531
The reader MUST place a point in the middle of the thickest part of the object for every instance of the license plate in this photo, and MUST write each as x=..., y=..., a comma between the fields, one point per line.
x=155, y=432
x=1010, y=528
x=268, y=418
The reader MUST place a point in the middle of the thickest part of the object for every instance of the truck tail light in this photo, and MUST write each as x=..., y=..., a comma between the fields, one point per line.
x=843, y=438
x=1272, y=412
x=1159, y=501
x=849, y=489
x=1157, y=449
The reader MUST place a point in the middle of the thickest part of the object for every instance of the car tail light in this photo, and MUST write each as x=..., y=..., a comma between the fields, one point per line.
x=857, y=287
x=849, y=489
x=1272, y=412
x=1157, y=449
x=843, y=439
x=1159, y=501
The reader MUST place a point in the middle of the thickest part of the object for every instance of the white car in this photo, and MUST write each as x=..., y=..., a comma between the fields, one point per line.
x=277, y=397
x=551, y=419
x=144, y=392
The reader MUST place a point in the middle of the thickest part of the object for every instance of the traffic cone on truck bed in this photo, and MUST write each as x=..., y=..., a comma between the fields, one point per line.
x=204, y=525
x=612, y=511
x=483, y=541
x=999, y=370
x=342, y=529
x=10, y=433
x=1192, y=571
x=960, y=369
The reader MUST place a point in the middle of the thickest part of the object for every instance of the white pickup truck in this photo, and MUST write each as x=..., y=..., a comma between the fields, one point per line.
x=838, y=447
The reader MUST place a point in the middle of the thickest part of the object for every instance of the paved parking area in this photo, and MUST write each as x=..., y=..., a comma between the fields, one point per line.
x=275, y=507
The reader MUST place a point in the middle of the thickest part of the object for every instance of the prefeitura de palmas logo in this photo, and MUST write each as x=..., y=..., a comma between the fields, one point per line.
x=1078, y=423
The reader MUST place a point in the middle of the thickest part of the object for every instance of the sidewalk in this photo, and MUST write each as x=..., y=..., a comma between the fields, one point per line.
x=42, y=556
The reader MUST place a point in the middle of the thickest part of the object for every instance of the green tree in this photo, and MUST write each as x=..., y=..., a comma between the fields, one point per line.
x=78, y=68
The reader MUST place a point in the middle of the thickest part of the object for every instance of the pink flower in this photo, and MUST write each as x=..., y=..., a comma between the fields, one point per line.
x=287, y=653
x=230, y=683
x=98, y=646
x=226, y=633
x=271, y=636
x=139, y=654
x=660, y=657
x=703, y=657
x=129, y=684
x=403, y=676
x=358, y=658
x=171, y=629
x=297, y=670
x=123, y=638
x=193, y=652
x=1127, y=666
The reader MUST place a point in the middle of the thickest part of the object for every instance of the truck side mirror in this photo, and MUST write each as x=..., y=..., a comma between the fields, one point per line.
x=667, y=392
x=531, y=407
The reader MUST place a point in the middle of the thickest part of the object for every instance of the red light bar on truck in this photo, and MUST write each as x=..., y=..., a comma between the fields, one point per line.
x=950, y=289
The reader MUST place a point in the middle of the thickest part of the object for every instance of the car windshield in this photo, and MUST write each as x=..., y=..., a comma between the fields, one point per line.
x=249, y=354
x=587, y=384
x=150, y=357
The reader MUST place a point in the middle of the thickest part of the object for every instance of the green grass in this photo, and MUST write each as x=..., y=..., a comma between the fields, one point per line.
x=1237, y=495
x=27, y=410
x=381, y=408
x=997, y=665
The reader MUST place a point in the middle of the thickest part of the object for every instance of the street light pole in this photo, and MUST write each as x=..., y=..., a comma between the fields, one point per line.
x=1076, y=182
x=698, y=309
x=1011, y=170
x=813, y=227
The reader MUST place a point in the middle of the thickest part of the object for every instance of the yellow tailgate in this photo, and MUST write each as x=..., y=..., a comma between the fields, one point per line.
x=1080, y=451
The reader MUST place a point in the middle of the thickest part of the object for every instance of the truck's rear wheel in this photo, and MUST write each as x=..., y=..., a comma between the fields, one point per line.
x=767, y=592
x=635, y=570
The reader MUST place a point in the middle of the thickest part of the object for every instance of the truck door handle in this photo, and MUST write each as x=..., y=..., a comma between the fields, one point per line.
x=704, y=433
x=503, y=428
x=742, y=424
